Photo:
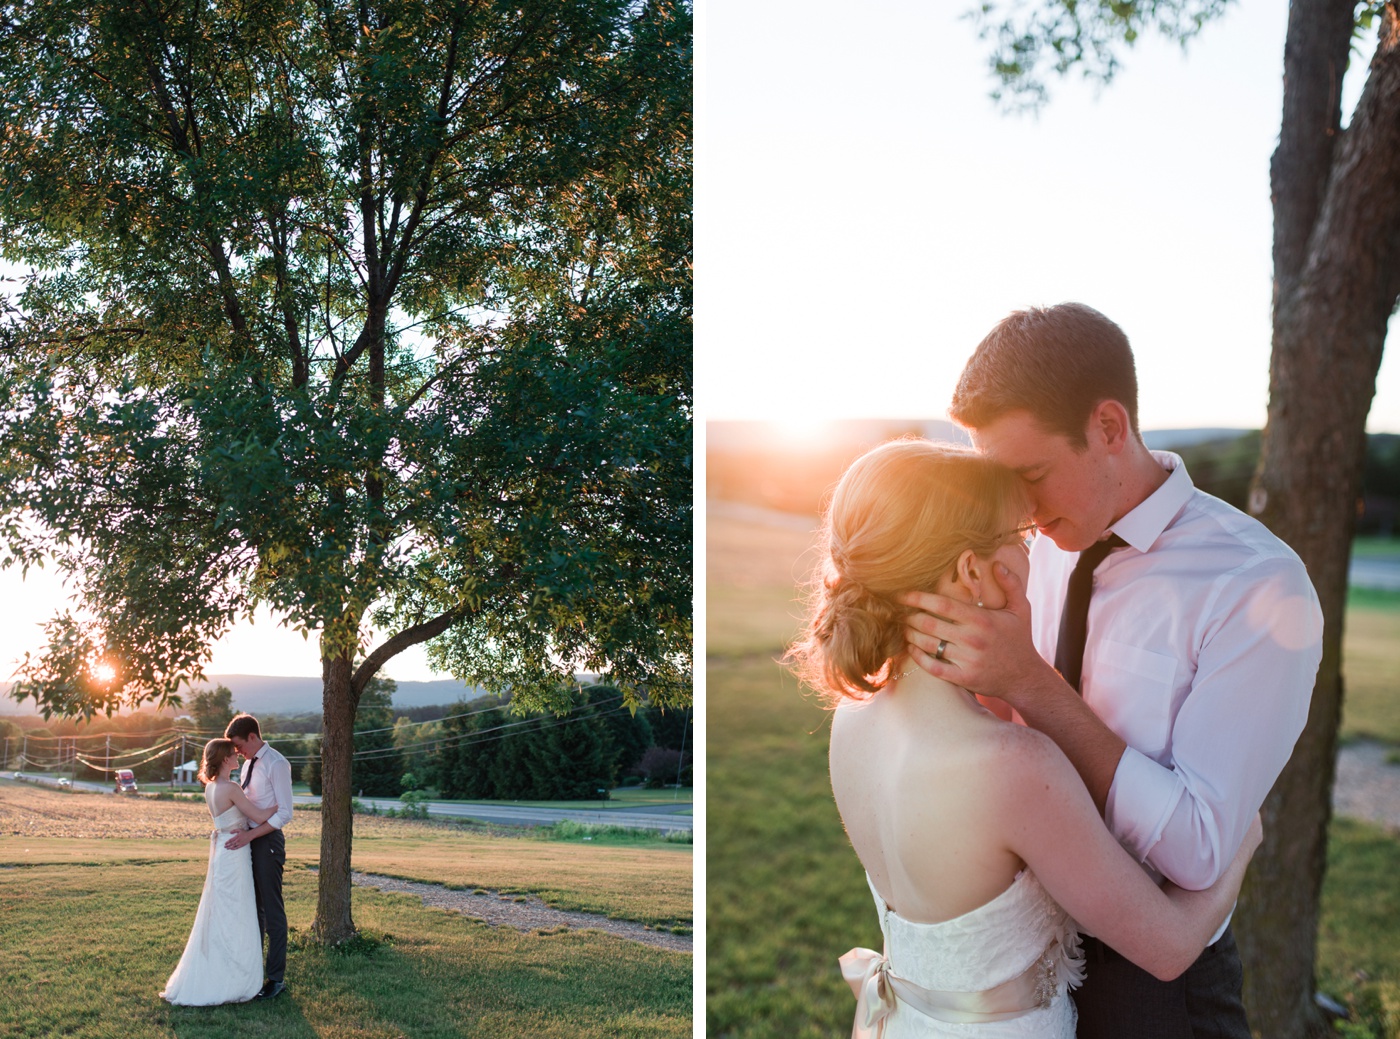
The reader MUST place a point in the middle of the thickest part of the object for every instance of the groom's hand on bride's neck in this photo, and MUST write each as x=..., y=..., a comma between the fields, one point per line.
x=986, y=651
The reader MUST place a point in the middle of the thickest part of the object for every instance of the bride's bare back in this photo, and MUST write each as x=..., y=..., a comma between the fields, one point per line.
x=945, y=803
x=911, y=770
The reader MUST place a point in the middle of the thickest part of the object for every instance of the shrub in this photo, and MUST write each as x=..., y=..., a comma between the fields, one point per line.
x=659, y=766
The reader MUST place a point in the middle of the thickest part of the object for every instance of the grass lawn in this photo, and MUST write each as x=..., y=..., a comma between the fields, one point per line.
x=1375, y=548
x=785, y=893
x=1371, y=666
x=647, y=883
x=88, y=948
x=97, y=895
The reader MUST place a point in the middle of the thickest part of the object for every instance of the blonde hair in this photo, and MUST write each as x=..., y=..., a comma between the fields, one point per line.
x=216, y=752
x=898, y=521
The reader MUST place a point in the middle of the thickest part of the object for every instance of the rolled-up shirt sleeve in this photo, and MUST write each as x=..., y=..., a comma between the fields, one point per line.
x=1259, y=644
x=281, y=773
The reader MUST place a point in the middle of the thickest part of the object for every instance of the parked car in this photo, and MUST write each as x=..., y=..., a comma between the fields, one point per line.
x=64, y=783
x=126, y=781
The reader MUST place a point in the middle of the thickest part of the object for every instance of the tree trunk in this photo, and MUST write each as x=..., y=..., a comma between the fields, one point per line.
x=1336, y=278
x=333, y=923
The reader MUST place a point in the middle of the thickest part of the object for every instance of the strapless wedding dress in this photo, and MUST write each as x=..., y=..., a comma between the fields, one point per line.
x=999, y=972
x=222, y=962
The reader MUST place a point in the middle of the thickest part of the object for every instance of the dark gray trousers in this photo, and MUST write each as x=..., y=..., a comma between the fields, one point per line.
x=1120, y=1000
x=269, y=856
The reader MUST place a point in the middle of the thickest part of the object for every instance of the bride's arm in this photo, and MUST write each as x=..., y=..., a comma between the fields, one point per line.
x=1057, y=831
x=252, y=811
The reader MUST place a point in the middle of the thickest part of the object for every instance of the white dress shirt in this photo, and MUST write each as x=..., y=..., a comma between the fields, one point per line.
x=271, y=784
x=1204, y=640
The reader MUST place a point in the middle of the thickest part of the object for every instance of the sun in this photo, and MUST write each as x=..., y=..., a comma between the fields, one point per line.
x=800, y=430
x=104, y=672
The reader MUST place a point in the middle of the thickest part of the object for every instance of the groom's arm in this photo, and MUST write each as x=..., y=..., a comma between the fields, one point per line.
x=991, y=653
x=243, y=837
x=1230, y=739
x=1234, y=731
x=281, y=773
x=281, y=787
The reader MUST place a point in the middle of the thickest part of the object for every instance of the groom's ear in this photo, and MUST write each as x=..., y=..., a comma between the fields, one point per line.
x=1110, y=425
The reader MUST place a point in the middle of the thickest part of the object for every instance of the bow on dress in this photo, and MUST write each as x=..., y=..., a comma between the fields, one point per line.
x=868, y=974
x=878, y=991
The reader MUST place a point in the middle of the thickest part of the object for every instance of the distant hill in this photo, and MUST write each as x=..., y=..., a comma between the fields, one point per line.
x=775, y=467
x=744, y=436
x=1167, y=439
x=270, y=694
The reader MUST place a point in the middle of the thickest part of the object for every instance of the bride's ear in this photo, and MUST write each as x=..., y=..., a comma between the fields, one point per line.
x=969, y=573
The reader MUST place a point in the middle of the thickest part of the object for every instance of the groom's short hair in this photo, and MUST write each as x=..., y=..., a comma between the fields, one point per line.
x=242, y=726
x=1058, y=363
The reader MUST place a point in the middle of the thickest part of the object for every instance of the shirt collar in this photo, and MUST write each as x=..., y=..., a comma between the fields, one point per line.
x=1142, y=526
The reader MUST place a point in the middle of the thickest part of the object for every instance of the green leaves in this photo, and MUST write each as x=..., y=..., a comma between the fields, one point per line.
x=1030, y=42
x=383, y=317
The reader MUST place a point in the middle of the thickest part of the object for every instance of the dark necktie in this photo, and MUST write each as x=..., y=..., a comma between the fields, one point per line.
x=248, y=772
x=1074, y=619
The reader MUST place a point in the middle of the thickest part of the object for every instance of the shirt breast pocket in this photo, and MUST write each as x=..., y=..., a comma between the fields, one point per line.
x=1132, y=689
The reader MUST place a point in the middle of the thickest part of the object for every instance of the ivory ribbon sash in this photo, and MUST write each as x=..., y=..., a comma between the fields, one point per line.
x=878, y=991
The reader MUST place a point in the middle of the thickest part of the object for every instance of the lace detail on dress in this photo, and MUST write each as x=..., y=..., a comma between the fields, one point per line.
x=1021, y=942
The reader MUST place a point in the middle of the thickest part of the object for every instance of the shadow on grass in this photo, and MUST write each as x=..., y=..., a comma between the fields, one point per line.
x=281, y=1017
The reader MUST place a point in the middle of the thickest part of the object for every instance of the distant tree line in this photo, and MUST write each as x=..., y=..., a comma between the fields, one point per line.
x=1225, y=467
x=481, y=748
x=471, y=749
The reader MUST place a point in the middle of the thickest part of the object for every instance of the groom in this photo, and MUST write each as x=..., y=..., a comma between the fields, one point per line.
x=267, y=780
x=1183, y=703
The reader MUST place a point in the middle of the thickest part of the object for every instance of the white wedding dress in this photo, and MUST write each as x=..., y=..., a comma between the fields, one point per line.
x=222, y=962
x=1000, y=971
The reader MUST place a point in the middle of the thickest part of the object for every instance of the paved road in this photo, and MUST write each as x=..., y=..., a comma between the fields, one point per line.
x=664, y=817
x=1381, y=574
x=646, y=817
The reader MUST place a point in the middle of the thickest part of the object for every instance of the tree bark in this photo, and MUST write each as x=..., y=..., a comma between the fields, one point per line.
x=1336, y=279
x=333, y=923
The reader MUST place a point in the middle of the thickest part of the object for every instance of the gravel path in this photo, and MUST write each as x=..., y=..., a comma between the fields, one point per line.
x=1367, y=786
x=526, y=913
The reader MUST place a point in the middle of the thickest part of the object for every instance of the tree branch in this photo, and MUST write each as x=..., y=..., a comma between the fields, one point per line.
x=400, y=642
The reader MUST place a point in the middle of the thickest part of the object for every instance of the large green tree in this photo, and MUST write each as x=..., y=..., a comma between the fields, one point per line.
x=1336, y=204
x=373, y=314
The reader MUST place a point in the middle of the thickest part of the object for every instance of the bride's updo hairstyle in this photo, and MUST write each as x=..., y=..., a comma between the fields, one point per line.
x=216, y=752
x=898, y=521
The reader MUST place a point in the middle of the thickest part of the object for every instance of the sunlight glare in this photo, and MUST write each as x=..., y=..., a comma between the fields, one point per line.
x=800, y=431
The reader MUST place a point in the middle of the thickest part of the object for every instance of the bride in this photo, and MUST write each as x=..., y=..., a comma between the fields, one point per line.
x=982, y=848
x=223, y=962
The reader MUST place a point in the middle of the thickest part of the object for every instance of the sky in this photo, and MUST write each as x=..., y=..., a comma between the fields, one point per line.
x=259, y=648
x=866, y=213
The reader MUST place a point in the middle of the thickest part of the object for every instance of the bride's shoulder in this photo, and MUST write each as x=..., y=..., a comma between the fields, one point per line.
x=1018, y=756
